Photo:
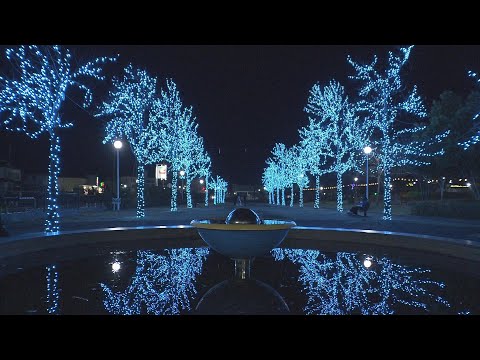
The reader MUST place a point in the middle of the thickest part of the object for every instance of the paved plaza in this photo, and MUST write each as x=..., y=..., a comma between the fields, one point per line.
x=21, y=224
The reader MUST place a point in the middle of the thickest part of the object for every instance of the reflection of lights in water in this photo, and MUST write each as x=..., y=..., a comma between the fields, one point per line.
x=367, y=262
x=163, y=283
x=52, y=289
x=344, y=285
x=116, y=266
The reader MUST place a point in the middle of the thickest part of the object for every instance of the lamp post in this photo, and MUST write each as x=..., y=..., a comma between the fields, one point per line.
x=182, y=176
x=367, y=150
x=116, y=201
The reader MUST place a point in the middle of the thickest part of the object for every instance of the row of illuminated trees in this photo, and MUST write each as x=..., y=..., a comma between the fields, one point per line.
x=158, y=126
x=384, y=116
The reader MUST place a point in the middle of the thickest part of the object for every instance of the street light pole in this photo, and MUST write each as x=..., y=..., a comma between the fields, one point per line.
x=116, y=203
x=182, y=176
x=367, y=150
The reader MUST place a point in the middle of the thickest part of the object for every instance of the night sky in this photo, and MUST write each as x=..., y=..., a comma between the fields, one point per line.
x=245, y=98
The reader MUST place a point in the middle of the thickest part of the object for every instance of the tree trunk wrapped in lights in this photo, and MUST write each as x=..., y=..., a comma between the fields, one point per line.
x=140, y=190
x=336, y=124
x=31, y=102
x=131, y=108
x=383, y=99
x=316, y=204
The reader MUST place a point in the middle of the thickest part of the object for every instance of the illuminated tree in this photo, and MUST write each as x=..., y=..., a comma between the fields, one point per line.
x=31, y=102
x=313, y=148
x=475, y=137
x=339, y=128
x=453, y=112
x=219, y=186
x=268, y=184
x=344, y=285
x=301, y=164
x=291, y=169
x=196, y=164
x=179, y=126
x=269, y=178
x=302, y=181
x=384, y=99
x=280, y=157
x=129, y=106
x=205, y=171
x=163, y=284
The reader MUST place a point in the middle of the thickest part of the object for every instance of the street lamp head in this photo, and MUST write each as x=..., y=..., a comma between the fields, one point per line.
x=117, y=144
x=201, y=181
x=355, y=179
x=367, y=150
x=182, y=173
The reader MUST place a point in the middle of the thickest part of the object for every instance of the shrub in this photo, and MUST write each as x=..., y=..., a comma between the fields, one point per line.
x=449, y=209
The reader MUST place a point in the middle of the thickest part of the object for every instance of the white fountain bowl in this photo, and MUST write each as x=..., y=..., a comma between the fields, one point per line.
x=243, y=241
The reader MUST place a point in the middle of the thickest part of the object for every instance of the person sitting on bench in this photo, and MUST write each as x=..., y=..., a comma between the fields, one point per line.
x=363, y=206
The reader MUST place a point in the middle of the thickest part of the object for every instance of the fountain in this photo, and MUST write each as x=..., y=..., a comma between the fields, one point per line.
x=242, y=237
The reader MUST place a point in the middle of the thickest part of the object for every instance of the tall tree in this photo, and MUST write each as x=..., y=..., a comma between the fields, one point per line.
x=340, y=129
x=31, y=102
x=384, y=98
x=475, y=130
x=454, y=113
x=471, y=144
x=269, y=180
x=180, y=128
x=202, y=167
x=129, y=107
x=280, y=157
x=314, y=148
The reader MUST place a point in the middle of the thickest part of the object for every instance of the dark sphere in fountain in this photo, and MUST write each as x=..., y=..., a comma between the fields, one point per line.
x=243, y=216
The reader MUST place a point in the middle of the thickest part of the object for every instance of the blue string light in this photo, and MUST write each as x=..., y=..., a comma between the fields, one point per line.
x=343, y=284
x=475, y=138
x=31, y=102
x=52, y=290
x=184, y=147
x=383, y=99
x=219, y=186
x=130, y=107
x=163, y=284
x=335, y=131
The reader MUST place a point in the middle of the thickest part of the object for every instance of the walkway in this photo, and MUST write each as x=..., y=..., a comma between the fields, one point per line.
x=91, y=218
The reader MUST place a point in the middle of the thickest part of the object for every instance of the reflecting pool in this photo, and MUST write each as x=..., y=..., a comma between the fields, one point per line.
x=146, y=279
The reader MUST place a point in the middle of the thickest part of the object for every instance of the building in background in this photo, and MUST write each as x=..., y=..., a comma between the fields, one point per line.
x=10, y=179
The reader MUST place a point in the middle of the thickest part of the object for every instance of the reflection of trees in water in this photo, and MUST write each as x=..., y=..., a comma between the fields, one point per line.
x=162, y=284
x=52, y=289
x=342, y=285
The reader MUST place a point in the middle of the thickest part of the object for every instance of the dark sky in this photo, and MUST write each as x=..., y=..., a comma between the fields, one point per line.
x=245, y=97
